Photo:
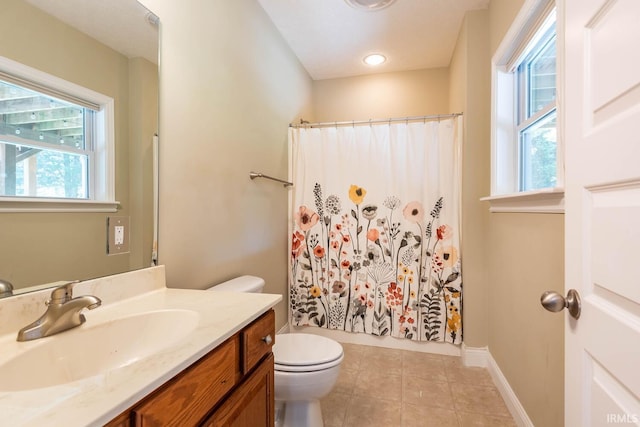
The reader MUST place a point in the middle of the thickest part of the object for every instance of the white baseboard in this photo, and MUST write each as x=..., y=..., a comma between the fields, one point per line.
x=386, y=341
x=481, y=357
x=474, y=356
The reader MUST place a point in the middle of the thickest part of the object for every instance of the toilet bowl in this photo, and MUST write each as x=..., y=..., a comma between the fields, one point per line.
x=306, y=367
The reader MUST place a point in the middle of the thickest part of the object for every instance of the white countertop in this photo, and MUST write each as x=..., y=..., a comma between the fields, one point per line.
x=97, y=400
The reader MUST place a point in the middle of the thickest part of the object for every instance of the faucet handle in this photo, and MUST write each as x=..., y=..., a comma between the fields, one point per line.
x=62, y=293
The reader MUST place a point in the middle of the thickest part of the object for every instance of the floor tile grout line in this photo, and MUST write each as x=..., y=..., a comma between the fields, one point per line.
x=449, y=376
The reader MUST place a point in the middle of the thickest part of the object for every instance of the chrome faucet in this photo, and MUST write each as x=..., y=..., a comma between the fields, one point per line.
x=63, y=312
x=6, y=288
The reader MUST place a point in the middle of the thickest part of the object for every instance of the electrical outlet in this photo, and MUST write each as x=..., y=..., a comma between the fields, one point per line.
x=117, y=235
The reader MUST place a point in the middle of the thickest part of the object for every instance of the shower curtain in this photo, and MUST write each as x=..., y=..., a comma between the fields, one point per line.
x=375, y=244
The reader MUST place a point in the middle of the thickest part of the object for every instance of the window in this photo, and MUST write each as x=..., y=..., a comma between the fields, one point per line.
x=56, y=142
x=526, y=151
x=536, y=119
x=45, y=145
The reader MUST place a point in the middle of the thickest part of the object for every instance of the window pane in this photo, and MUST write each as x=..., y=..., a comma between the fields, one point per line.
x=43, y=145
x=538, y=148
x=30, y=115
x=35, y=172
x=542, y=77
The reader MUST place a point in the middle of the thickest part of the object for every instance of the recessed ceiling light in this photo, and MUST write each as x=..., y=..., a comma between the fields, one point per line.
x=369, y=4
x=374, y=59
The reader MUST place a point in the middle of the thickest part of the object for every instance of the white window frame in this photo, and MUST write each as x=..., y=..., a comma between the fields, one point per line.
x=102, y=163
x=505, y=195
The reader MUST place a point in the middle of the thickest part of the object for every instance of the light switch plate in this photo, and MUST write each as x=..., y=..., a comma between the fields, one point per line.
x=117, y=235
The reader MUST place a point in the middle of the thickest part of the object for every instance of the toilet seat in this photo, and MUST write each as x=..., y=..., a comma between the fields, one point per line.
x=298, y=352
x=307, y=368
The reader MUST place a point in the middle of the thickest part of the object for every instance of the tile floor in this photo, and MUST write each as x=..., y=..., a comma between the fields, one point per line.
x=381, y=387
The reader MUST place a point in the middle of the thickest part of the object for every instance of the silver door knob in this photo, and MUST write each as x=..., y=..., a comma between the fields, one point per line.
x=555, y=302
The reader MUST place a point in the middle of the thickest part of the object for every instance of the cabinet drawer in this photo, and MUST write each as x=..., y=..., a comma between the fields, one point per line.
x=185, y=400
x=257, y=340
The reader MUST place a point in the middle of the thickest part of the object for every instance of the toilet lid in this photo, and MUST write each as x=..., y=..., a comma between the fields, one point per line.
x=305, y=350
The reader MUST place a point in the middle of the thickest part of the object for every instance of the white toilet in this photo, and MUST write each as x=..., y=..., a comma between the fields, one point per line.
x=306, y=367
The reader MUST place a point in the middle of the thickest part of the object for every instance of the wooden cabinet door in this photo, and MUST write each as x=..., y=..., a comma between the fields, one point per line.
x=251, y=404
x=187, y=399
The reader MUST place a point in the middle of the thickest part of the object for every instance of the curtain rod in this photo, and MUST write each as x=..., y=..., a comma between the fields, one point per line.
x=306, y=124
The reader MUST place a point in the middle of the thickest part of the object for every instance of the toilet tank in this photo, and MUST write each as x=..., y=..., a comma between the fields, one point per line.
x=251, y=284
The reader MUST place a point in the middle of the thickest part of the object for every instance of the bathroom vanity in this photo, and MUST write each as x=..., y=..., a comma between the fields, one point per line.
x=230, y=386
x=149, y=356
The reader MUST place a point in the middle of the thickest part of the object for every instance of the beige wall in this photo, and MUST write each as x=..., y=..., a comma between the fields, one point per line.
x=501, y=15
x=525, y=258
x=469, y=92
x=229, y=85
x=527, y=342
x=44, y=247
x=381, y=96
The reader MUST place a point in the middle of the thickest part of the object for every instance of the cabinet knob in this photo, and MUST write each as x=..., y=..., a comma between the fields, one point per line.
x=267, y=340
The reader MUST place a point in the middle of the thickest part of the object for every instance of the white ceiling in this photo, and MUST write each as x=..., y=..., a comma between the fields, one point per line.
x=330, y=38
x=119, y=24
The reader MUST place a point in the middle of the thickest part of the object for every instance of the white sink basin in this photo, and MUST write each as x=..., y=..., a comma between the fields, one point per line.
x=91, y=350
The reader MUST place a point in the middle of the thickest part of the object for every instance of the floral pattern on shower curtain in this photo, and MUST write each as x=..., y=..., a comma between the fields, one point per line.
x=375, y=244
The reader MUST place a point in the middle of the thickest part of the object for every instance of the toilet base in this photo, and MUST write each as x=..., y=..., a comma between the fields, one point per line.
x=298, y=413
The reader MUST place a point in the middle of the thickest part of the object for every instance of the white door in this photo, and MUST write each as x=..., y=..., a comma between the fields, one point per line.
x=602, y=136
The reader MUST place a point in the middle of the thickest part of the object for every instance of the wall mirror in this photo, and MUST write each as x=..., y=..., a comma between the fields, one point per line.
x=110, y=47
